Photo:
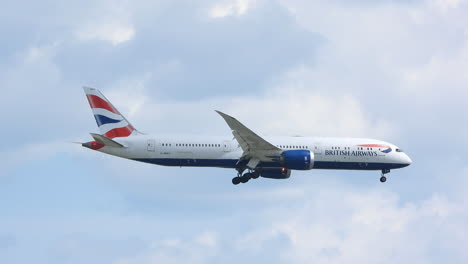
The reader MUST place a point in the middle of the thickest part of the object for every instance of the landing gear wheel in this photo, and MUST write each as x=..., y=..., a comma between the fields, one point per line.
x=383, y=178
x=255, y=175
x=236, y=180
x=246, y=177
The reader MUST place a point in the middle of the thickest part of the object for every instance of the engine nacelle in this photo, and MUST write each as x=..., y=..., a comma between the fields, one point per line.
x=299, y=159
x=275, y=173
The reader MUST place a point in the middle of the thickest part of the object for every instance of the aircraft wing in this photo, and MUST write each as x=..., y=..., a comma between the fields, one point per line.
x=256, y=149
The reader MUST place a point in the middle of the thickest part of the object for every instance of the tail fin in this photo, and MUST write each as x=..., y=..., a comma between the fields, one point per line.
x=110, y=121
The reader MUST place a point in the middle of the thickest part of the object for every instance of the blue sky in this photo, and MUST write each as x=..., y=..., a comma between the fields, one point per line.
x=392, y=70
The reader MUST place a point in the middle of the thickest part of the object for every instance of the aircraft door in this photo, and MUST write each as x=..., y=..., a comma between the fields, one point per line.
x=317, y=149
x=151, y=145
x=226, y=146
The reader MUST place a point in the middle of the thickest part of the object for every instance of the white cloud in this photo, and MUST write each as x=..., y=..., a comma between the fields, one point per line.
x=383, y=37
x=288, y=109
x=327, y=223
x=207, y=239
x=350, y=226
x=36, y=151
x=113, y=32
x=35, y=62
x=108, y=21
x=402, y=62
x=445, y=5
x=296, y=107
x=442, y=73
x=198, y=250
x=128, y=94
x=231, y=8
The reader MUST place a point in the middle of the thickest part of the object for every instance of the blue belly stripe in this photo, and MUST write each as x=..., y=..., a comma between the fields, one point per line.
x=232, y=163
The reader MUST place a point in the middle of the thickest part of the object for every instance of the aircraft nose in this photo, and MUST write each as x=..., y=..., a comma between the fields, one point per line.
x=407, y=160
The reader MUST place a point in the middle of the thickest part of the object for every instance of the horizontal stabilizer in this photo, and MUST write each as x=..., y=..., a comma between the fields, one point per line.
x=106, y=141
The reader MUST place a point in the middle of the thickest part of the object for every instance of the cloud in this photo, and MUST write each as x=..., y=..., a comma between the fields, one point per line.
x=296, y=109
x=196, y=51
x=101, y=48
x=112, y=32
x=36, y=101
x=330, y=223
x=237, y=7
x=107, y=22
x=18, y=156
x=401, y=61
x=198, y=250
x=347, y=226
x=290, y=107
x=445, y=5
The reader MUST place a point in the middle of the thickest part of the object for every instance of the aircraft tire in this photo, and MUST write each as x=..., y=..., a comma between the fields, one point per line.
x=383, y=179
x=236, y=180
x=245, y=178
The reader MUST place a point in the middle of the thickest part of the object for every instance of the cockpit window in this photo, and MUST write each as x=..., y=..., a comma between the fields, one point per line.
x=398, y=150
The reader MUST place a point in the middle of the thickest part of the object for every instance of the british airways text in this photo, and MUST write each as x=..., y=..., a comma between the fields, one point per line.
x=358, y=153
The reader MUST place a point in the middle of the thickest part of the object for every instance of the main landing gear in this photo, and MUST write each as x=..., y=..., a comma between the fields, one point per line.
x=383, y=178
x=246, y=177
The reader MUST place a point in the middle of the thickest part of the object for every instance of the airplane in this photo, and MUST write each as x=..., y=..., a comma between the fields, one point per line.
x=249, y=154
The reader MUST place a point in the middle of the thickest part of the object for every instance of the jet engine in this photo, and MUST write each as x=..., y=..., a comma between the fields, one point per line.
x=299, y=159
x=275, y=173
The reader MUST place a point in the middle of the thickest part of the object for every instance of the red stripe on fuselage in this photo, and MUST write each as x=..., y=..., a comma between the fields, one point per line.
x=98, y=102
x=120, y=132
x=374, y=146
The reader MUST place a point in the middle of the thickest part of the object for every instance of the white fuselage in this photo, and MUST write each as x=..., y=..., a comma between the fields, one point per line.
x=224, y=152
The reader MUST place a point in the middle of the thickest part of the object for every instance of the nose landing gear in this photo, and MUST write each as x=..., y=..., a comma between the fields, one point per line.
x=383, y=178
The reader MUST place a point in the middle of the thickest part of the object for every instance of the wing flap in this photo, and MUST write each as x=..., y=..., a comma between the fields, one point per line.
x=253, y=163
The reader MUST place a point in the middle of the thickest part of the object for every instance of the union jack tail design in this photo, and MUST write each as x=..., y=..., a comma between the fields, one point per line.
x=110, y=121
